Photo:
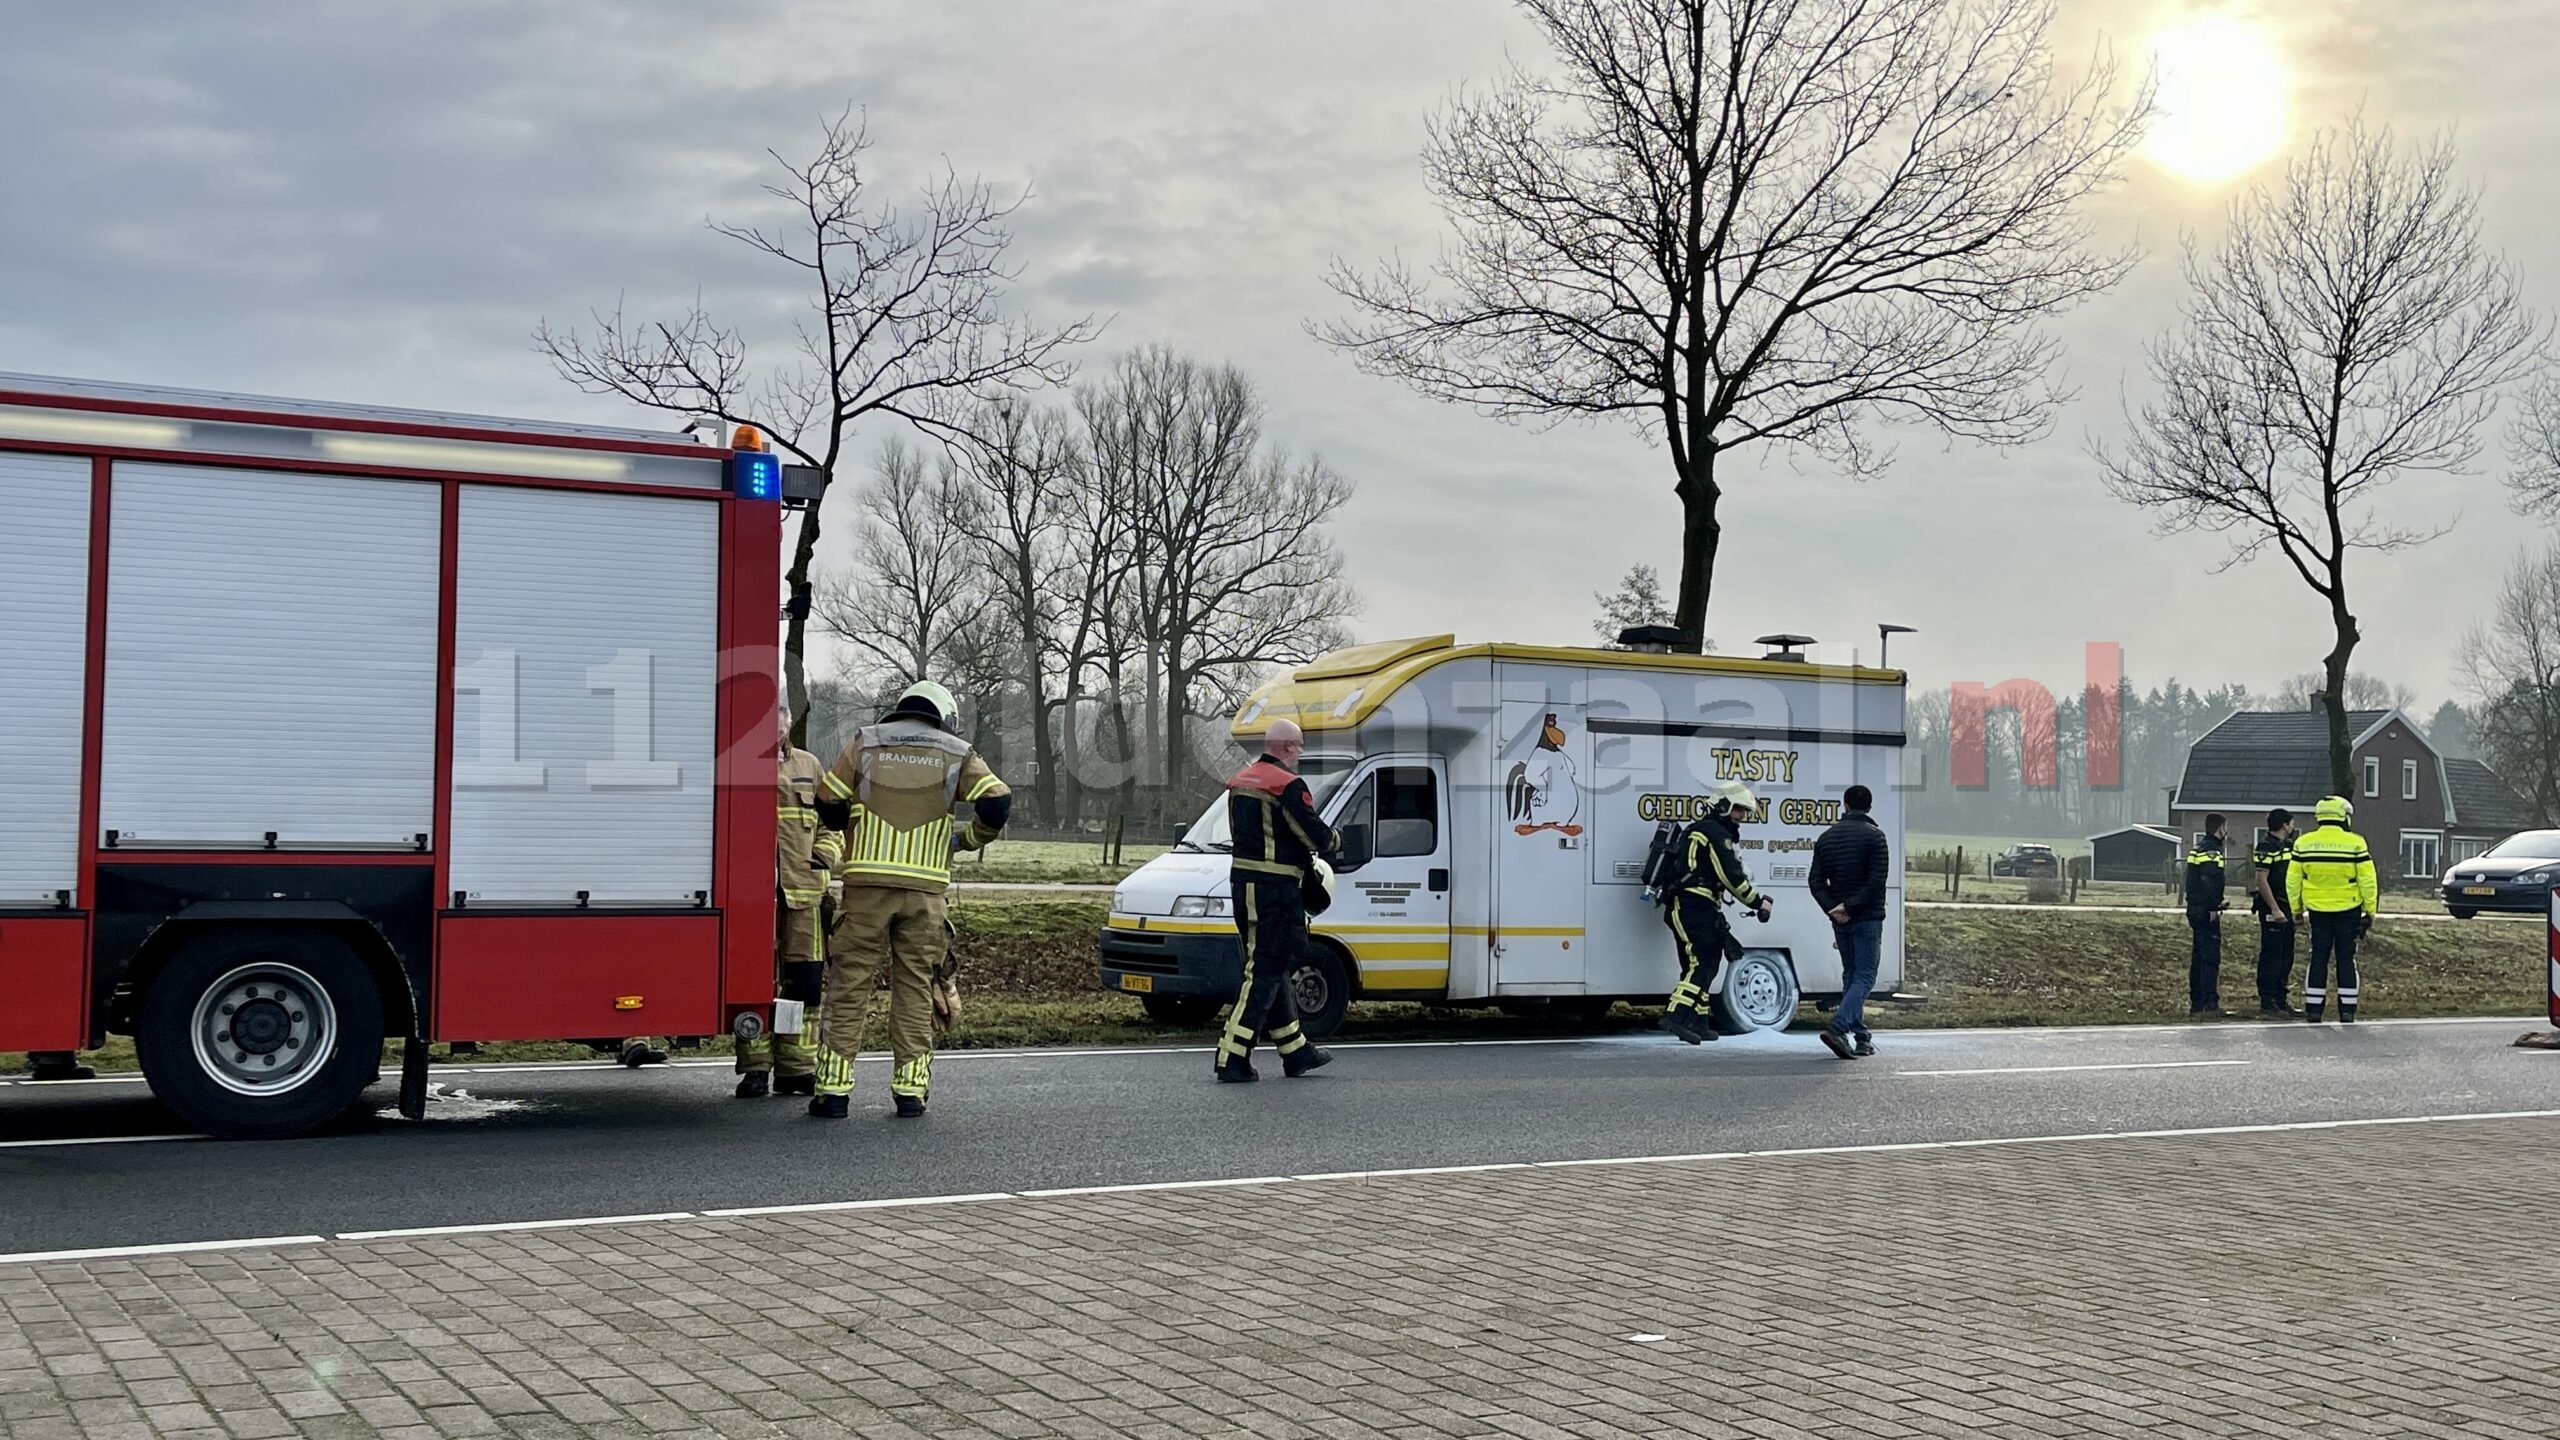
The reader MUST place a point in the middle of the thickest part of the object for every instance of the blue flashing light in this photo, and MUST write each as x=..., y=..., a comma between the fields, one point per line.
x=755, y=475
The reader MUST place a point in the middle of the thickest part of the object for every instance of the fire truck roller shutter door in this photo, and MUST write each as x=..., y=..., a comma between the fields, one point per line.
x=44, y=600
x=593, y=618
x=271, y=644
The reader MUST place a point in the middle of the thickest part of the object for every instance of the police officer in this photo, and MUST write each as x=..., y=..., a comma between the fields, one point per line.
x=893, y=792
x=1710, y=872
x=2204, y=920
x=1272, y=822
x=806, y=855
x=2268, y=862
x=2332, y=881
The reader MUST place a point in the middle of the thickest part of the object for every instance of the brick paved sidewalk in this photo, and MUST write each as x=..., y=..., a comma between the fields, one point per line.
x=2364, y=1282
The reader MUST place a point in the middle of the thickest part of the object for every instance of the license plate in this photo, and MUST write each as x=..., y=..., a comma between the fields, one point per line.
x=2479, y=889
x=1139, y=983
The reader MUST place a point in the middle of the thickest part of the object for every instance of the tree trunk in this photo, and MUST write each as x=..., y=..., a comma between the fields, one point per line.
x=1699, y=535
x=1044, y=757
x=2333, y=699
x=795, y=636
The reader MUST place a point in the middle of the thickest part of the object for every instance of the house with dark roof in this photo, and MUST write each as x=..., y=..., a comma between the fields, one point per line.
x=2418, y=810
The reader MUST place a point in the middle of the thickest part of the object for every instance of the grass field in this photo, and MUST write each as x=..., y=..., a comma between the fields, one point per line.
x=1049, y=862
x=1028, y=978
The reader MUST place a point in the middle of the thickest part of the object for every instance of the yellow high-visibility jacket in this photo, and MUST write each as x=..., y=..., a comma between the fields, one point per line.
x=805, y=853
x=2332, y=871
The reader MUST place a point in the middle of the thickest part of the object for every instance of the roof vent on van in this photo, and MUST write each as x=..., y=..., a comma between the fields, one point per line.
x=1790, y=647
x=1651, y=639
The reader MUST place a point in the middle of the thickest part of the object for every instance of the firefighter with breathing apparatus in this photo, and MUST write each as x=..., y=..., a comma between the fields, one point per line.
x=892, y=793
x=1690, y=873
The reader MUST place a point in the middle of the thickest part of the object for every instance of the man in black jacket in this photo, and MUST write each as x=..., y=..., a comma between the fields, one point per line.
x=1277, y=836
x=1852, y=866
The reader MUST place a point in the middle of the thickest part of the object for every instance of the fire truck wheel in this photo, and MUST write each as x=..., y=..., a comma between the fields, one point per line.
x=260, y=1033
x=1321, y=987
x=1759, y=994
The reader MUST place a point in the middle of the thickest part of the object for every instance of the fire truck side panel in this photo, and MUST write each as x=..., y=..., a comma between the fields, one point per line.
x=44, y=972
x=271, y=644
x=578, y=976
x=44, y=604
x=750, y=675
x=585, y=676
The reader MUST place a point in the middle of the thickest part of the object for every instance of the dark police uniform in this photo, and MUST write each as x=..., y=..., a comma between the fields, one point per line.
x=2269, y=861
x=2204, y=925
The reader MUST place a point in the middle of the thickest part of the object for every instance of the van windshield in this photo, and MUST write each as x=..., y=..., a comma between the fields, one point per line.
x=1324, y=774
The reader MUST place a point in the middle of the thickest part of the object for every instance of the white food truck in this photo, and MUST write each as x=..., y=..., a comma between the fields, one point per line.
x=1497, y=803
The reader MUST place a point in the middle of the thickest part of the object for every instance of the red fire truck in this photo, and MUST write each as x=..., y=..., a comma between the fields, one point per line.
x=321, y=724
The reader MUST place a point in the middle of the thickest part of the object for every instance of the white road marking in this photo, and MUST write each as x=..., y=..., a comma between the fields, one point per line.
x=511, y=1225
x=895, y=1203
x=183, y=1247
x=1889, y=1148
x=2050, y=1069
x=92, y=1140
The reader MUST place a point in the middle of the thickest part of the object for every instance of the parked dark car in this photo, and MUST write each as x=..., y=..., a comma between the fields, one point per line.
x=2029, y=862
x=2517, y=874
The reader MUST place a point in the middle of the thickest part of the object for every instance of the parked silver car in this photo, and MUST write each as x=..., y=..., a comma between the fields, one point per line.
x=2517, y=874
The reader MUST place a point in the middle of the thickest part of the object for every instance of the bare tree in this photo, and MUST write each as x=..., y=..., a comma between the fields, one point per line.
x=1027, y=476
x=2511, y=668
x=2364, y=692
x=916, y=581
x=2533, y=447
x=1637, y=601
x=907, y=320
x=2350, y=330
x=1230, y=566
x=1737, y=221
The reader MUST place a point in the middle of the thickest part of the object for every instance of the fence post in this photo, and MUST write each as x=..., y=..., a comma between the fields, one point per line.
x=1955, y=875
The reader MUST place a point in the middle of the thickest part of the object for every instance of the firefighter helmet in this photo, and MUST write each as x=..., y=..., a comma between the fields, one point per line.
x=1315, y=890
x=2334, y=809
x=1735, y=798
x=924, y=700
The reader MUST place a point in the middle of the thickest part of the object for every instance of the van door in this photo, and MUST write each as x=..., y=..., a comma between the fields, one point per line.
x=1541, y=874
x=1392, y=914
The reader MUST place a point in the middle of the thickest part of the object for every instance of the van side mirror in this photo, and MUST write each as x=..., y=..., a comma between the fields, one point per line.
x=1358, y=847
x=1180, y=830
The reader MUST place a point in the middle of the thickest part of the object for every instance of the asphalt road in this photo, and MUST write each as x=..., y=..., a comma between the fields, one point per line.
x=533, y=1143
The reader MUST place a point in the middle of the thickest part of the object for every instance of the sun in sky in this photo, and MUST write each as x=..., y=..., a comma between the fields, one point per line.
x=2222, y=98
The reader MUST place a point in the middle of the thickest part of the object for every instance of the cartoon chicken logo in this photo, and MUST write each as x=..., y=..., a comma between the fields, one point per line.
x=1542, y=793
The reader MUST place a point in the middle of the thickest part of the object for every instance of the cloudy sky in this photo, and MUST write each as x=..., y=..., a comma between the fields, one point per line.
x=379, y=202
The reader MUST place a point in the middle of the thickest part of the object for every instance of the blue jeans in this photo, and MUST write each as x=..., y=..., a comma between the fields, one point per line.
x=1861, y=949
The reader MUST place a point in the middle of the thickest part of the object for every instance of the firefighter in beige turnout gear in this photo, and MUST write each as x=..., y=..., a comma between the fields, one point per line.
x=892, y=792
x=807, y=854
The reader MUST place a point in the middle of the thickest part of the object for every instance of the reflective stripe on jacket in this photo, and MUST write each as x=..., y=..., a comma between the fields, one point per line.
x=804, y=852
x=1713, y=868
x=2332, y=871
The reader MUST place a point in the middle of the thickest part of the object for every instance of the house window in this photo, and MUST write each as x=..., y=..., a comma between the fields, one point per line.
x=2420, y=853
x=2408, y=779
x=2468, y=850
x=2372, y=776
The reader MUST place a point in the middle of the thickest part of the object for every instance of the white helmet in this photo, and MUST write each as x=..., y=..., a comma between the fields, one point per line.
x=1733, y=795
x=1317, y=894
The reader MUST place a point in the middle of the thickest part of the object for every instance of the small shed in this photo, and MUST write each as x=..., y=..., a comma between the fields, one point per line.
x=2135, y=852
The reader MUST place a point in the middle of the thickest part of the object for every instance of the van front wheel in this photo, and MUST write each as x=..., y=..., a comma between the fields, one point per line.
x=1759, y=993
x=1321, y=988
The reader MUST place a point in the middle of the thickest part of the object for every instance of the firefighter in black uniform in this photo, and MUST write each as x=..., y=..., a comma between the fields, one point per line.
x=1277, y=836
x=2204, y=921
x=2268, y=861
x=1709, y=871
